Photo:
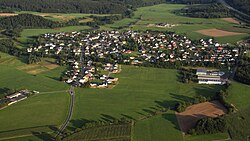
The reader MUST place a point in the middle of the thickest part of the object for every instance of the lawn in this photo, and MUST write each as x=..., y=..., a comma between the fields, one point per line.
x=163, y=13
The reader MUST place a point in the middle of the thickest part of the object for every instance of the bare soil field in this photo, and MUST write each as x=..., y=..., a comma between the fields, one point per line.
x=192, y=114
x=217, y=33
x=7, y=14
x=231, y=20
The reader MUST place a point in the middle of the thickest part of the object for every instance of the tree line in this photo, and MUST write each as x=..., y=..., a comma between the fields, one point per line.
x=243, y=71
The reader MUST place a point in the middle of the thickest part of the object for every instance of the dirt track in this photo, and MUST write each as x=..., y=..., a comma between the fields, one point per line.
x=217, y=33
x=7, y=14
x=188, y=118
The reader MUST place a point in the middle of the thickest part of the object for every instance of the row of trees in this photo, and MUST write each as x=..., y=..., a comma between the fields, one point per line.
x=187, y=75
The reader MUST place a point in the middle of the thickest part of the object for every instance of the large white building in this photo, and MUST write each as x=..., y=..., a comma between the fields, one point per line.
x=210, y=77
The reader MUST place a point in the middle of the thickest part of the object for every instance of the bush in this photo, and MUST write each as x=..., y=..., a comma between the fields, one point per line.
x=209, y=126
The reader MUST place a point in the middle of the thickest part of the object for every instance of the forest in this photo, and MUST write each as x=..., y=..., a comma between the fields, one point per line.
x=26, y=20
x=241, y=5
x=192, y=1
x=77, y=6
x=215, y=10
x=243, y=70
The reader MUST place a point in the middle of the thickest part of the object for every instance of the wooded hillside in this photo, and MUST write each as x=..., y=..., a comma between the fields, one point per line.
x=77, y=6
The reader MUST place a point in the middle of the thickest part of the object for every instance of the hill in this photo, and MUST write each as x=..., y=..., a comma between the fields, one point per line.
x=76, y=6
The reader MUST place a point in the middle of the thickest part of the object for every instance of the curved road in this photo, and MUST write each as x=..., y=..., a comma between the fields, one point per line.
x=72, y=95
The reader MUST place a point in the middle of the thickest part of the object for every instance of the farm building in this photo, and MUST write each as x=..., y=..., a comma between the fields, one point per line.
x=18, y=96
x=211, y=77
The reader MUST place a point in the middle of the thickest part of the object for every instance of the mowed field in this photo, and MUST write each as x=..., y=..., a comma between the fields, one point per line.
x=163, y=13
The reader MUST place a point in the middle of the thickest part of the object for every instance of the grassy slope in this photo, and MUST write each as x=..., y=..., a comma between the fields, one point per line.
x=163, y=13
x=27, y=34
x=158, y=128
x=60, y=16
x=39, y=110
x=139, y=90
x=239, y=95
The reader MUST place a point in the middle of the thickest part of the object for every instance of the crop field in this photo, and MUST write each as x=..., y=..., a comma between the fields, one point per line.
x=112, y=132
x=192, y=114
x=61, y=17
x=217, y=33
x=163, y=13
x=45, y=65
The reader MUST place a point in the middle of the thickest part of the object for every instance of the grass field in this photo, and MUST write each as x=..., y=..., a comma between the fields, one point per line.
x=186, y=25
x=139, y=89
x=39, y=113
x=239, y=95
x=28, y=34
x=159, y=128
x=61, y=17
x=120, y=132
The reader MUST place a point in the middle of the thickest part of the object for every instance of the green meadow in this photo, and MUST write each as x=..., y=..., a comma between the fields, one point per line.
x=27, y=35
x=163, y=13
x=140, y=90
x=61, y=17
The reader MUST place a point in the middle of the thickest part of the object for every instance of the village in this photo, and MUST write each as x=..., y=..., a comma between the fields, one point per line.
x=93, y=57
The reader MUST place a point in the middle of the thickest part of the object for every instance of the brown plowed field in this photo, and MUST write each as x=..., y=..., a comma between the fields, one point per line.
x=217, y=33
x=7, y=14
x=192, y=114
x=231, y=20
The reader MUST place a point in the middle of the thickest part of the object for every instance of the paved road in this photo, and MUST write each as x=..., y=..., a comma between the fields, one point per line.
x=231, y=8
x=72, y=96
